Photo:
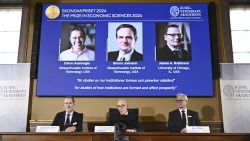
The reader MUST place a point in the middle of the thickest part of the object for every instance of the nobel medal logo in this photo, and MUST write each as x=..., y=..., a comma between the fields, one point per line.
x=228, y=91
x=52, y=12
x=174, y=11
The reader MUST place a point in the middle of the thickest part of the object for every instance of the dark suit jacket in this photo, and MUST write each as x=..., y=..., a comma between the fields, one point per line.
x=131, y=120
x=76, y=118
x=136, y=56
x=175, y=121
x=165, y=54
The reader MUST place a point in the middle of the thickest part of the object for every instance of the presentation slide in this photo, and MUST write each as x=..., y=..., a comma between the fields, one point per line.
x=119, y=50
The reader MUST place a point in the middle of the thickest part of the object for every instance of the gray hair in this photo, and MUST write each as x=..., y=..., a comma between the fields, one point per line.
x=182, y=95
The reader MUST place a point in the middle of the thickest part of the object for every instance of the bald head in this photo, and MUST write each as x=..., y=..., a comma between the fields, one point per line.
x=122, y=106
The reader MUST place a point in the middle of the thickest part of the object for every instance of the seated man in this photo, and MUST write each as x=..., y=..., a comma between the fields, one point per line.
x=125, y=116
x=182, y=117
x=68, y=120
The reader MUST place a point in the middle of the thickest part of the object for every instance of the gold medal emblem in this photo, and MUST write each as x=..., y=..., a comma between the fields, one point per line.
x=52, y=12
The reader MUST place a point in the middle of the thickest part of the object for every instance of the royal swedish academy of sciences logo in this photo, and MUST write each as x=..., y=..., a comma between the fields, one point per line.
x=174, y=11
x=228, y=91
x=52, y=12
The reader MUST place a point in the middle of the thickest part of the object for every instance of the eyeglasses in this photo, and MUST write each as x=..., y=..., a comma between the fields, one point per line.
x=121, y=106
x=66, y=103
x=181, y=100
x=174, y=35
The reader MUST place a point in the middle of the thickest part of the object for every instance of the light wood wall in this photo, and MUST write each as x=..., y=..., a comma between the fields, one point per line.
x=151, y=109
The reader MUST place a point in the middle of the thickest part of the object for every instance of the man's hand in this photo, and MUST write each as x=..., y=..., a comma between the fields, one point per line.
x=184, y=130
x=71, y=129
x=131, y=130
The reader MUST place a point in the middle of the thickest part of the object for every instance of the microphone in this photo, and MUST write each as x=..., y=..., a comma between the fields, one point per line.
x=119, y=129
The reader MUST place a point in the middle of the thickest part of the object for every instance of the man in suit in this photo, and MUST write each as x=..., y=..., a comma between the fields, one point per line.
x=182, y=117
x=126, y=37
x=173, y=49
x=125, y=116
x=68, y=120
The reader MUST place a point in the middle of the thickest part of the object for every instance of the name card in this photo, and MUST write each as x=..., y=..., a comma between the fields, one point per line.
x=198, y=129
x=47, y=129
x=104, y=128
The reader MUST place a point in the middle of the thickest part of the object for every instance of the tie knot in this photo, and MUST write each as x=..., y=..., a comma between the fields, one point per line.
x=183, y=113
x=68, y=115
x=177, y=51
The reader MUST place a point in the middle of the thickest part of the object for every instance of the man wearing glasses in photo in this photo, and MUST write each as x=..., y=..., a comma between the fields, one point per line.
x=173, y=49
x=182, y=117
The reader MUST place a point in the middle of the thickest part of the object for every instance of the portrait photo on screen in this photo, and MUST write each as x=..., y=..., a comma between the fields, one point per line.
x=173, y=41
x=125, y=41
x=77, y=42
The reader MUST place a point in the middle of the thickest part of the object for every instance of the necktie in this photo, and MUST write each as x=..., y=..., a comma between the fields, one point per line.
x=183, y=116
x=67, y=123
x=177, y=54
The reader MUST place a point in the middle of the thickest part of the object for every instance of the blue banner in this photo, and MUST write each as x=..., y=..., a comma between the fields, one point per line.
x=123, y=50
